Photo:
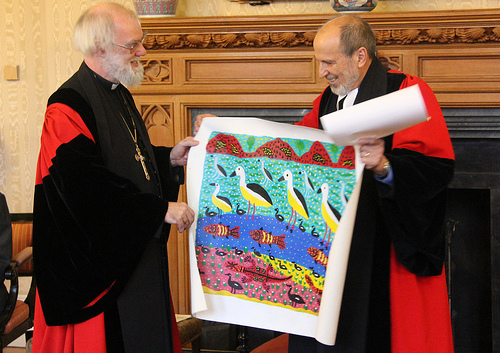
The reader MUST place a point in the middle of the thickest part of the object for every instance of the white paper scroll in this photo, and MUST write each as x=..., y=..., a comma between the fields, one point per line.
x=378, y=117
x=326, y=327
x=231, y=309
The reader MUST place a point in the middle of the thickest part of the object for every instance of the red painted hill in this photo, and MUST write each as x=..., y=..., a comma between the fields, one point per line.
x=279, y=149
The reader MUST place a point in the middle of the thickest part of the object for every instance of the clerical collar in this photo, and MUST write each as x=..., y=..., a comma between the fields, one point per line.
x=106, y=84
x=349, y=98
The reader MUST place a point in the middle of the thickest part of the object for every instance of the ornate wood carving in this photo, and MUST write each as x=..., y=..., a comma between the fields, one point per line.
x=157, y=71
x=391, y=61
x=438, y=35
x=298, y=31
x=305, y=39
x=159, y=123
x=230, y=40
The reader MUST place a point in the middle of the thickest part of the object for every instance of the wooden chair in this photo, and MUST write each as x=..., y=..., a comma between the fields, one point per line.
x=190, y=331
x=276, y=345
x=17, y=316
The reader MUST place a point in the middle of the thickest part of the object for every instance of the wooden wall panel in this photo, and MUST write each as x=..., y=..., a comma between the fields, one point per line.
x=239, y=70
x=206, y=72
x=468, y=77
x=461, y=68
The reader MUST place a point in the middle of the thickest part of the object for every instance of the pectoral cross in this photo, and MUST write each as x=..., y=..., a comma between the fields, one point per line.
x=140, y=158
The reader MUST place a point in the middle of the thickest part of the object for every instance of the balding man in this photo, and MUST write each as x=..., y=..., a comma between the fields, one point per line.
x=395, y=298
x=104, y=202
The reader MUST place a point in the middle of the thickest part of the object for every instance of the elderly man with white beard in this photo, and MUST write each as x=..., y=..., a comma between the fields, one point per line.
x=104, y=202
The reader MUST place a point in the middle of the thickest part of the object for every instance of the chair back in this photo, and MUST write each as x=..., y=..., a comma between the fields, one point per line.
x=22, y=235
x=17, y=316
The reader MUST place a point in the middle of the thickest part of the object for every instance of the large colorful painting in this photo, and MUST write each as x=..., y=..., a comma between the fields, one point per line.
x=269, y=199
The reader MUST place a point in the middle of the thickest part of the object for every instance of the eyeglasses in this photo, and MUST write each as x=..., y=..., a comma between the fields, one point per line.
x=133, y=45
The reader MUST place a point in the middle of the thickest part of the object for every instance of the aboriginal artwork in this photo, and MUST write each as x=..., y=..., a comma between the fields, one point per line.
x=268, y=212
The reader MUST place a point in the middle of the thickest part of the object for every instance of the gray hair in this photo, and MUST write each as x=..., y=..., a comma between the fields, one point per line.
x=95, y=29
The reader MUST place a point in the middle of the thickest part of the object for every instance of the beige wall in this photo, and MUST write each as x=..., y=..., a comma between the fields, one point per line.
x=36, y=36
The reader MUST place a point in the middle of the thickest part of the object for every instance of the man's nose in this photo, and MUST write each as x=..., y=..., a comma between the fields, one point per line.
x=141, y=51
x=323, y=70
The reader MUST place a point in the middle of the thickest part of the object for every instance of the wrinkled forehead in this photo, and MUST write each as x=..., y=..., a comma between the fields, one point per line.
x=327, y=44
x=127, y=29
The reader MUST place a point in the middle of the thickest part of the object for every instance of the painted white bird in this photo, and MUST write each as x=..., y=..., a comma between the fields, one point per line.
x=307, y=183
x=329, y=214
x=223, y=203
x=295, y=199
x=254, y=193
x=343, y=197
x=218, y=169
x=265, y=172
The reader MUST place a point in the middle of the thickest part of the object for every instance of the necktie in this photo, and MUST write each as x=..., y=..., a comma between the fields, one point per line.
x=341, y=103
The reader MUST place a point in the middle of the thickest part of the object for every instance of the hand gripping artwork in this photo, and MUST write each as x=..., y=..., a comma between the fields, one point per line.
x=268, y=209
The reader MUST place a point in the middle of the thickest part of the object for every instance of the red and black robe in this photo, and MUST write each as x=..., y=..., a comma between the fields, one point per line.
x=395, y=296
x=99, y=240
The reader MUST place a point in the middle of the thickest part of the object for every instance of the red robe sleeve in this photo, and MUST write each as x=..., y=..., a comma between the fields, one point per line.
x=431, y=137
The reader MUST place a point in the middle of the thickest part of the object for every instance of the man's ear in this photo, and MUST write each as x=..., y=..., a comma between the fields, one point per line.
x=100, y=52
x=361, y=56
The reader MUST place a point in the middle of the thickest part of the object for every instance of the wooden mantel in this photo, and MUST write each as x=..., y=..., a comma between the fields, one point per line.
x=304, y=23
x=269, y=62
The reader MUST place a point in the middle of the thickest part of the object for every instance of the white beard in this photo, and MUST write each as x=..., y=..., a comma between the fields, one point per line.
x=340, y=91
x=351, y=76
x=126, y=74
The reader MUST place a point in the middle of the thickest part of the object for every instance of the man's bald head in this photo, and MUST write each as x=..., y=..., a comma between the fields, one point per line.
x=344, y=48
x=351, y=33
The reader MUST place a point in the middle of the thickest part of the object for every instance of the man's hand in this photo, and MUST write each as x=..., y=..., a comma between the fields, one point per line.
x=180, y=152
x=198, y=121
x=179, y=214
x=372, y=154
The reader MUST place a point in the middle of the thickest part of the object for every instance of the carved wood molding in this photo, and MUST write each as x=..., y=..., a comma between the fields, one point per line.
x=229, y=40
x=438, y=35
x=157, y=71
x=464, y=27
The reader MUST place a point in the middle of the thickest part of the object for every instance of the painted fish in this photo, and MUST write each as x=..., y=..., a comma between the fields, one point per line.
x=265, y=238
x=220, y=230
x=311, y=284
x=254, y=273
x=318, y=256
x=315, y=289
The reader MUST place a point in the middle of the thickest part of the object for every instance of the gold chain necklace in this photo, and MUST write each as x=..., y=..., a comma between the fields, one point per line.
x=138, y=155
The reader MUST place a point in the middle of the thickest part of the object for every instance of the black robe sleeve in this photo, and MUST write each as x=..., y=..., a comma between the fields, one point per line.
x=170, y=177
x=414, y=212
x=422, y=161
x=90, y=225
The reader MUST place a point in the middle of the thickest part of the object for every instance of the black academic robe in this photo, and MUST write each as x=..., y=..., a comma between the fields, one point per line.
x=99, y=241
x=395, y=297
